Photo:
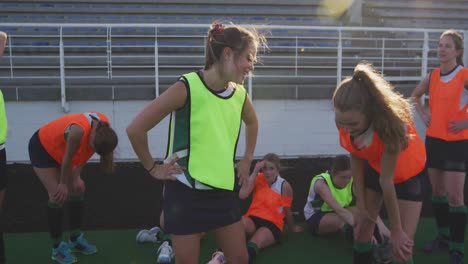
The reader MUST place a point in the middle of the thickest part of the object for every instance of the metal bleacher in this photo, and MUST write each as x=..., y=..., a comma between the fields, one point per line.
x=122, y=50
x=145, y=11
x=418, y=13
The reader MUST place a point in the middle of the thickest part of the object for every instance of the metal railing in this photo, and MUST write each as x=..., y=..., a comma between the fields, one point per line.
x=303, y=54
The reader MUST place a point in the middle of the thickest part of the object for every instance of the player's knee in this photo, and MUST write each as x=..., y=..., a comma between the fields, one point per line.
x=455, y=199
x=240, y=257
x=438, y=190
x=185, y=259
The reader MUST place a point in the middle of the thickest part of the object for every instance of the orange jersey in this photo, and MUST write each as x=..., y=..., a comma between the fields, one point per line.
x=52, y=136
x=410, y=162
x=444, y=104
x=268, y=204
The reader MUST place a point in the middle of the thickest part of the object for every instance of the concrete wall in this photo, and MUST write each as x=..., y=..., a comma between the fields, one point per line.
x=302, y=132
x=290, y=128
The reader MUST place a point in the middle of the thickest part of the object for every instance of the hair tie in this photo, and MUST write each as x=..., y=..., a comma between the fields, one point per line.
x=356, y=78
x=218, y=28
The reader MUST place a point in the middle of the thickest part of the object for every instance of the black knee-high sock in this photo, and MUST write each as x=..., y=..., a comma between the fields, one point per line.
x=377, y=235
x=76, y=208
x=252, y=249
x=348, y=232
x=457, y=228
x=54, y=219
x=441, y=215
x=362, y=253
x=164, y=237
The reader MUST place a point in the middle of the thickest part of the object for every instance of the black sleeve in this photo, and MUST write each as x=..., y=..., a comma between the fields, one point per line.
x=184, y=81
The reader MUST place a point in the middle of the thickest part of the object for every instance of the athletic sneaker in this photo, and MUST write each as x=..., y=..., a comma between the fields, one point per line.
x=439, y=244
x=165, y=253
x=148, y=235
x=62, y=254
x=218, y=258
x=155, y=230
x=81, y=245
x=456, y=257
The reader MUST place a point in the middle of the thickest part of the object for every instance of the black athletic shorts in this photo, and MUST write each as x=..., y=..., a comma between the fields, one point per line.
x=410, y=190
x=3, y=176
x=39, y=157
x=447, y=155
x=314, y=222
x=260, y=222
x=189, y=211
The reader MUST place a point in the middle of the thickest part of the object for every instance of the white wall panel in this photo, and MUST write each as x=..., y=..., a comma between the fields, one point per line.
x=288, y=127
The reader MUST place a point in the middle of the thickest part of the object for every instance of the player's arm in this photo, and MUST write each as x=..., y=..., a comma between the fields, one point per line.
x=288, y=192
x=323, y=190
x=3, y=39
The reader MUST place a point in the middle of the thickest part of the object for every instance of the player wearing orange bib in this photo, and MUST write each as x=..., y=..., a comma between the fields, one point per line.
x=58, y=151
x=271, y=203
x=447, y=143
x=387, y=159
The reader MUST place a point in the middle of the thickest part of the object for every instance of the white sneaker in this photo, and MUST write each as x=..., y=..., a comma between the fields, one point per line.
x=217, y=258
x=165, y=253
x=145, y=236
x=155, y=231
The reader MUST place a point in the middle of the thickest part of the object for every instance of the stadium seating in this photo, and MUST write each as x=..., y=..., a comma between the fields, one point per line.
x=300, y=12
x=118, y=61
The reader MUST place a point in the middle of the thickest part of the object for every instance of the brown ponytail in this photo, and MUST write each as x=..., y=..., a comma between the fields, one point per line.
x=235, y=37
x=388, y=112
x=104, y=144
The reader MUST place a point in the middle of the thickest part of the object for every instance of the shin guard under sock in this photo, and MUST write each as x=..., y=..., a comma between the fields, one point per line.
x=362, y=253
x=457, y=224
x=76, y=211
x=54, y=214
x=252, y=249
x=441, y=214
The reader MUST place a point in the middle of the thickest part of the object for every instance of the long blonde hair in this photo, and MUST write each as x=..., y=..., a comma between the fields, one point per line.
x=386, y=109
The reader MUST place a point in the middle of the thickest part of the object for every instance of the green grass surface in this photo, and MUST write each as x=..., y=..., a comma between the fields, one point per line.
x=119, y=247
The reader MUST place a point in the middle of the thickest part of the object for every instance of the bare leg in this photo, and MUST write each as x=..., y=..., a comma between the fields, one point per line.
x=231, y=238
x=263, y=238
x=330, y=223
x=186, y=248
x=249, y=226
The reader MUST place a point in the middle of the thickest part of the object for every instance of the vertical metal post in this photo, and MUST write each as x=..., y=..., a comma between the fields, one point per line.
x=382, y=63
x=295, y=59
x=63, y=94
x=424, y=59
x=156, y=62
x=425, y=53
x=295, y=65
x=11, y=56
x=339, y=59
x=109, y=52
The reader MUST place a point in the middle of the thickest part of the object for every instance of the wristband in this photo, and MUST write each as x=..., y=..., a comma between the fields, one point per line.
x=152, y=167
